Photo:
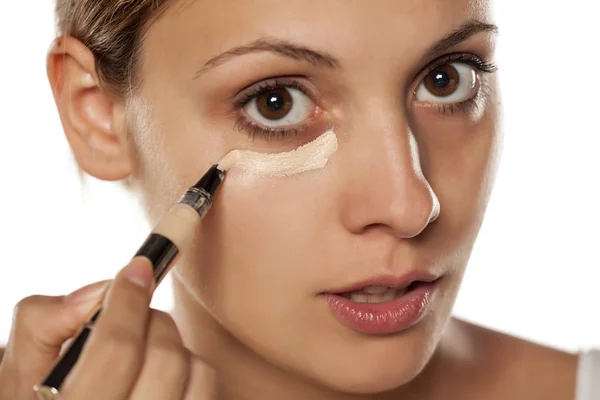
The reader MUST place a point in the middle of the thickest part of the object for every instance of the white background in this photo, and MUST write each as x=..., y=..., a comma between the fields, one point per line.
x=535, y=270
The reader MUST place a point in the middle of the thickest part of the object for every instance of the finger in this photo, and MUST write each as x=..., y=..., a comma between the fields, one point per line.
x=166, y=367
x=202, y=381
x=41, y=324
x=112, y=358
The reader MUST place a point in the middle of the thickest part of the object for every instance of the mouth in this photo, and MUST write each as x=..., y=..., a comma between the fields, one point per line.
x=384, y=288
x=379, y=294
x=384, y=304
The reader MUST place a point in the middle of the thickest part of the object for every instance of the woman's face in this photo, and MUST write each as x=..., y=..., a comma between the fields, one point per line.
x=406, y=86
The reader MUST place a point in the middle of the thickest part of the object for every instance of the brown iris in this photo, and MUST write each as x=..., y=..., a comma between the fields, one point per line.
x=442, y=81
x=274, y=104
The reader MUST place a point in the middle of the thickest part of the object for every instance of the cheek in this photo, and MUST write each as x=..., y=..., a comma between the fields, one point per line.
x=172, y=155
x=260, y=242
x=459, y=158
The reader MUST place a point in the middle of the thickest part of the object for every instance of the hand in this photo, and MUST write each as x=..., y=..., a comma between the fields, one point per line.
x=133, y=352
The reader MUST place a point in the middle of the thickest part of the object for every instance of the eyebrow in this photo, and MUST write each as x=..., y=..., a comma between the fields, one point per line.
x=324, y=59
x=458, y=36
x=277, y=46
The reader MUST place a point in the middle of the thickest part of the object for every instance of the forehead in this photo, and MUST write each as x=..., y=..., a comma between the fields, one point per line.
x=335, y=13
x=193, y=31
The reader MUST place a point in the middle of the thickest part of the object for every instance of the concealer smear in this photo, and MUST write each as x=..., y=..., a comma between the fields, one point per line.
x=311, y=156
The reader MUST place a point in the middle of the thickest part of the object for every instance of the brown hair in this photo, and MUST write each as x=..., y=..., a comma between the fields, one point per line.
x=113, y=30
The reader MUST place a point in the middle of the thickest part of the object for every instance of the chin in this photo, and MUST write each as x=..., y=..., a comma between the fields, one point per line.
x=373, y=379
x=376, y=365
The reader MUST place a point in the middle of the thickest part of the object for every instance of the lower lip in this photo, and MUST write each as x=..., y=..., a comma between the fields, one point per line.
x=383, y=318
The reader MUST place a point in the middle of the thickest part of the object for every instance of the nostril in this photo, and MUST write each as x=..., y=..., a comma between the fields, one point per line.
x=378, y=227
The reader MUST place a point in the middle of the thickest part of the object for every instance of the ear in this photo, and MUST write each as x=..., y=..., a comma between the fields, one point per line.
x=92, y=118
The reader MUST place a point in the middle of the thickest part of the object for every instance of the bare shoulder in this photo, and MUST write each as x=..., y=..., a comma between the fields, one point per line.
x=520, y=368
x=1, y=353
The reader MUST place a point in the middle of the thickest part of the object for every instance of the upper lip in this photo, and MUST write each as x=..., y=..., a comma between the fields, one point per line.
x=393, y=281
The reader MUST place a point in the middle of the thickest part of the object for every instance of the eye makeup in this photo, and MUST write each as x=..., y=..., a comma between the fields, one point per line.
x=315, y=154
x=311, y=156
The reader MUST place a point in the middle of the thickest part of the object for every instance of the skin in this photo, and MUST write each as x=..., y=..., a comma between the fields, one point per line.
x=247, y=291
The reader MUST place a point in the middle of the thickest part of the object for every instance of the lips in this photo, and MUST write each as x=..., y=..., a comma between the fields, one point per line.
x=383, y=304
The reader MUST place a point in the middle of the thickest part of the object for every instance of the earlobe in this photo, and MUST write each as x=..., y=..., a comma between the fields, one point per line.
x=93, y=119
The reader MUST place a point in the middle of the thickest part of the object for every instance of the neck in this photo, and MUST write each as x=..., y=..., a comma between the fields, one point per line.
x=235, y=371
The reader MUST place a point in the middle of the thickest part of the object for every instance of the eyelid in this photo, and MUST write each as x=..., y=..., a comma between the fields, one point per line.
x=245, y=95
x=467, y=58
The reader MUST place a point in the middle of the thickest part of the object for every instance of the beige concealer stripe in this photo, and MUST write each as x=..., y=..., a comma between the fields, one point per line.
x=311, y=156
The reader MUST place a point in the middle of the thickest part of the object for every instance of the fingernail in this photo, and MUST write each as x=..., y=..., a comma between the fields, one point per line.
x=139, y=272
x=88, y=293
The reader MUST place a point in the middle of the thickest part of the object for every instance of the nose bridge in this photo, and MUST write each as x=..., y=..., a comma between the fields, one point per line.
x=389, y=187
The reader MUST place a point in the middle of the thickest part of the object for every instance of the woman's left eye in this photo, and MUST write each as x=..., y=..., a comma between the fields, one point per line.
x=279, y=106
x=449, y=83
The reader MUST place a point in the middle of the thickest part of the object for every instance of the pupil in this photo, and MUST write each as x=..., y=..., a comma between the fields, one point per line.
x=441, y=79
x=275, y=102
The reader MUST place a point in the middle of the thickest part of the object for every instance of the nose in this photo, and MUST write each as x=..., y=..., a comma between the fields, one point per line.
x=386, y=188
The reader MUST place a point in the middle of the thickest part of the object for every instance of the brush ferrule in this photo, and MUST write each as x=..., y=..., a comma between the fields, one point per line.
x=199, y=196
x=199, y=199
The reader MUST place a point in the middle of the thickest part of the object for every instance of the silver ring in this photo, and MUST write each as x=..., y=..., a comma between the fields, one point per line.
x=46, y=393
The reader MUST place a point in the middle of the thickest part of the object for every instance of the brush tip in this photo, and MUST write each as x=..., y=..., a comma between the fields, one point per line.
x=228, y=161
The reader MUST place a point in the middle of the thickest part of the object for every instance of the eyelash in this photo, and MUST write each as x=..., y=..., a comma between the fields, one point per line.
x=270, y=133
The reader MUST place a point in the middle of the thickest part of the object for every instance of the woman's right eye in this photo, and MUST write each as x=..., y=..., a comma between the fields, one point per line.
x=279, y=107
